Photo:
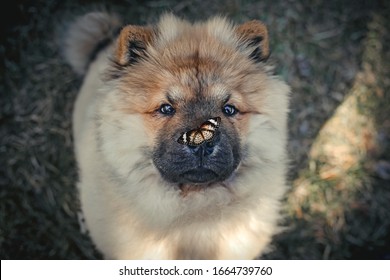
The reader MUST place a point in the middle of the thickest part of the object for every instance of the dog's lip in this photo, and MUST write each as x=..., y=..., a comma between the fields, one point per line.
x=199, y=175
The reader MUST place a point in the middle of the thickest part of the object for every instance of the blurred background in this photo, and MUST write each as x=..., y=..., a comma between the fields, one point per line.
x=334, y=54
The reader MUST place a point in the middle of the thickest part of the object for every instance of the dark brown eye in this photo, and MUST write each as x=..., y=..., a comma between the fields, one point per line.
x=229, y=110
x=166, y=109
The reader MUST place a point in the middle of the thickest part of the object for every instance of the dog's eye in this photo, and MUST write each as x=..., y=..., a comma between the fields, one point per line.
x=166, y=109
x=229, y=110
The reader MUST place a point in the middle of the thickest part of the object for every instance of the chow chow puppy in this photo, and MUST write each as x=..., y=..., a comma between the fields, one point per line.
x=146, y=194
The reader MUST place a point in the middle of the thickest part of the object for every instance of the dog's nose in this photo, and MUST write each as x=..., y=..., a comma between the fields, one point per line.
x=206, y=148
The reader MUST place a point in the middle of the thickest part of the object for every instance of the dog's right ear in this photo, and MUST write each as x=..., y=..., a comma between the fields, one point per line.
x=254, y=37
x=132, y=43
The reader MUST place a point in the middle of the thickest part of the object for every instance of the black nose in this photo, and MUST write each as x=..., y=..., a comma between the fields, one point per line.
x=204, y=149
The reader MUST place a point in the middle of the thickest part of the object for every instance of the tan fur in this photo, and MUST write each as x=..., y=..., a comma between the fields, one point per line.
x=130, y=210
x=253, y=29
x=131, y=33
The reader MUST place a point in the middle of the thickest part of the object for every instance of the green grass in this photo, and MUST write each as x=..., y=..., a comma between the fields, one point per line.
x=326, y=50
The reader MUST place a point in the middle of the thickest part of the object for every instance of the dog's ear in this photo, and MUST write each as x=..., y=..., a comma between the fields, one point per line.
x=253, y=35
x=131, y=44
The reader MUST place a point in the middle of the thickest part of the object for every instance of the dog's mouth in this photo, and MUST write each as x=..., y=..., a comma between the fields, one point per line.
x=198, y=179
x=199, y=175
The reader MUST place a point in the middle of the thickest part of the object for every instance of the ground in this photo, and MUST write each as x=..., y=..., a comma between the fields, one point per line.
x=335, y=56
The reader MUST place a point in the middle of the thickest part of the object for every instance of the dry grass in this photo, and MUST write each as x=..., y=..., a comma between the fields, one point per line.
x=335, y=55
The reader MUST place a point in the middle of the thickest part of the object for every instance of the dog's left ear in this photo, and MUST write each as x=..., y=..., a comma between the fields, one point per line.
x=253, y=35
x=132, y=43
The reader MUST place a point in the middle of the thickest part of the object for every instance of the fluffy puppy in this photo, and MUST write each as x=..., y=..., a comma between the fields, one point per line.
x=146, y=195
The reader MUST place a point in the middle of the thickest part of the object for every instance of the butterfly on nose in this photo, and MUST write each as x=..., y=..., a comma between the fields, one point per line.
x=204, y=133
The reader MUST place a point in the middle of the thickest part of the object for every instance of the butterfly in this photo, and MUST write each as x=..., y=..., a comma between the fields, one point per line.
x=205, y=133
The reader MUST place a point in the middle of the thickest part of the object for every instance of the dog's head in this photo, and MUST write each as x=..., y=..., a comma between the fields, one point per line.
x=177, y=75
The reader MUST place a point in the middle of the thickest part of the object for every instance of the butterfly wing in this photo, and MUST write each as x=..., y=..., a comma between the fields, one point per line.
x=207, y=135
x=209, y=127
x=192, y=138
x=185, y=138
x=205, y=132
x=215, y=122
x=197, y=138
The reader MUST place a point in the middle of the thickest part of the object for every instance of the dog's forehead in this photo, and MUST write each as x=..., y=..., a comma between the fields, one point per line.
x=198, y=91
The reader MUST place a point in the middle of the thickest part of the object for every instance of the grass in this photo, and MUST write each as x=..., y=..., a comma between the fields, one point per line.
x=334, y=55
